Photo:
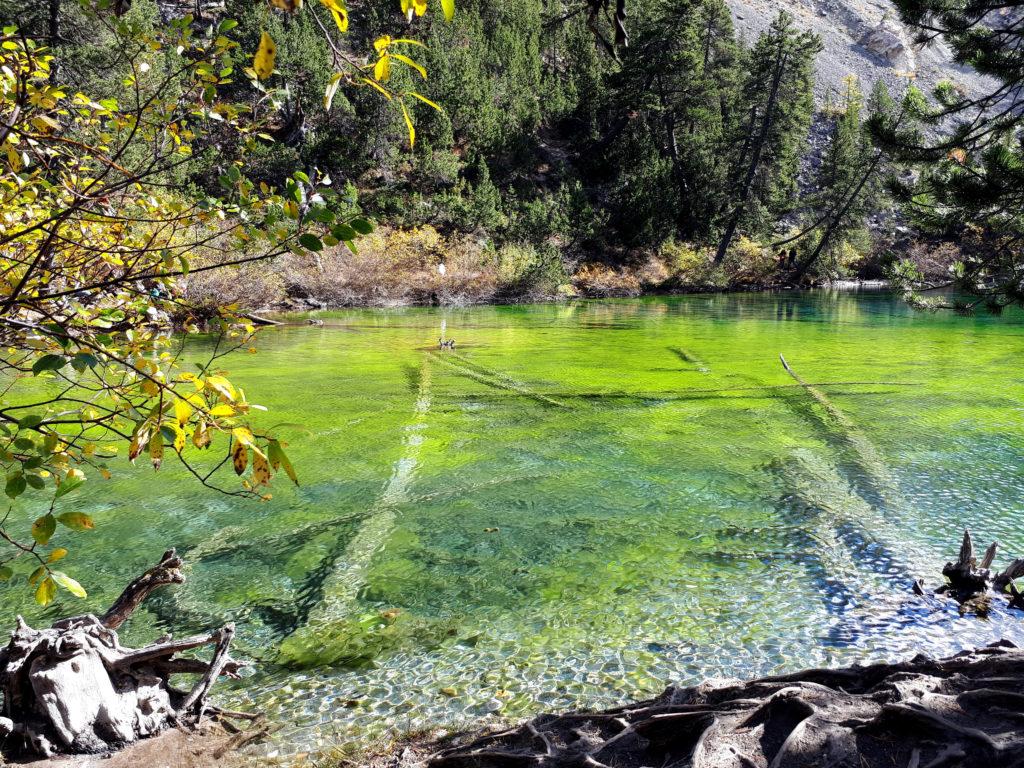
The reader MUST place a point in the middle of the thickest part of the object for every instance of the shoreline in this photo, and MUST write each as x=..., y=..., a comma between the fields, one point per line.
x=957, y=710
x=311, y=307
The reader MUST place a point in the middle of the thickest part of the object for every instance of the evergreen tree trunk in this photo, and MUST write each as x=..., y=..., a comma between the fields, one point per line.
x=836, y=221
x=755, y=159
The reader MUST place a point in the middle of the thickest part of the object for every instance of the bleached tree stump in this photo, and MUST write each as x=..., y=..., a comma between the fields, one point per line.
x=73, y=688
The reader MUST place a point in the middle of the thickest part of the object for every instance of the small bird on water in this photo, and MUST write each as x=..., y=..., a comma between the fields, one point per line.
x=449, y=344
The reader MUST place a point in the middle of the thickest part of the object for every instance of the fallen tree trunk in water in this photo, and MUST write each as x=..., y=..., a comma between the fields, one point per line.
x=73, y=688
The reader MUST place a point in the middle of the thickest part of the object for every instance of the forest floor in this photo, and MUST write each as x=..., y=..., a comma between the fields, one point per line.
x=210, y=746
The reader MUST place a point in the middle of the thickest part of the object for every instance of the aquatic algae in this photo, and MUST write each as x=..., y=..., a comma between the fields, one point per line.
x=656, y=531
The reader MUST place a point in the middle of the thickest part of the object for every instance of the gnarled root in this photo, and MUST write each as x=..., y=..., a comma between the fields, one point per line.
x=73, y=688
x=962, y=711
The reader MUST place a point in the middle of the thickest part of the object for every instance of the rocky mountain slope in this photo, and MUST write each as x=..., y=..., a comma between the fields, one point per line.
x=861, y=37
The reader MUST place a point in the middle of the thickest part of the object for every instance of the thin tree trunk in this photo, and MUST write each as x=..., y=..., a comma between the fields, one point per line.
x=755, y=160
x=833, y=225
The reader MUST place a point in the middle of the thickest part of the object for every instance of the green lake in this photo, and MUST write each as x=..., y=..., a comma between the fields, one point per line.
x=580, y=504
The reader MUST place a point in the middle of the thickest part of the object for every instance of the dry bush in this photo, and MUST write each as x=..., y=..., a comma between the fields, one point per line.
x=251, y=286
x=933, y=260
x=394, y=266
x=599, y=280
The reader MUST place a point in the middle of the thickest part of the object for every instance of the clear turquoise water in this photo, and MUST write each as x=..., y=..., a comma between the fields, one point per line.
x=582, y=503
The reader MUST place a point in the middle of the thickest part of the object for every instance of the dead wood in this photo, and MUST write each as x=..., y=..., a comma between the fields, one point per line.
x=74, y=689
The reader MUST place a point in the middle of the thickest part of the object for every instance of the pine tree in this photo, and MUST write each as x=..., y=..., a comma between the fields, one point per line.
x=670, y=104
x=767, y=147
x=847, y=182
x=970, y=186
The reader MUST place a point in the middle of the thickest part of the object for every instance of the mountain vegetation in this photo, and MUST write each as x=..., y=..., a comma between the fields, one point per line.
x=557, y=157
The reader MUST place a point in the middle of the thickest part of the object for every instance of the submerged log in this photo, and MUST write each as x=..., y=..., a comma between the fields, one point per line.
x=74, y=689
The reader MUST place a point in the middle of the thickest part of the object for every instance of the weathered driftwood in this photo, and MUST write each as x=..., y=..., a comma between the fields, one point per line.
x=973, y=583
x=73, y=688
x=962, y=711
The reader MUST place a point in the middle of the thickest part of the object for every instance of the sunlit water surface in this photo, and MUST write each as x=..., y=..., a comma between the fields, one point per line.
x=580, y=504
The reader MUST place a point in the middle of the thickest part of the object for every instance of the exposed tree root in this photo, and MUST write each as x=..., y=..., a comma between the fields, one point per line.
x=73, y=688
x=974, y=584
x=965, y=711
x=962, y=711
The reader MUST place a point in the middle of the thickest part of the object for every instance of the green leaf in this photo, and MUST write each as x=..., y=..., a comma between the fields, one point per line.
x=16, y=485
x=278, y=458
x=43, y=528
x=344, y=232
x=67, y=485
x=32, y=420
x=84, y=360
x=311, y=242
x=6, y=572
x=48, y=363
x=76, y=521
x=36, y=482
x=362, y=226
x=69, y=584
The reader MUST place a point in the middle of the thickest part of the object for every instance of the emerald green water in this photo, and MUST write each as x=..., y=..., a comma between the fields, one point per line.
x=582, y=503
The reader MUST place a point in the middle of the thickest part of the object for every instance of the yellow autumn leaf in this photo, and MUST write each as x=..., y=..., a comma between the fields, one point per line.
x=425, y=100
x=69, y=584
x=382, y=69
x=339, y=12
x=448, y=7
x=409, y=62
x=182, y=412
x=409, y=125
x=222, y=386
x=287, y=5
x=260, y=468
x=156, y=449
x=46, y=591
x=332, y=89
x=266, y=55
x=201, y=437
x=239, y=457
x=384, y=91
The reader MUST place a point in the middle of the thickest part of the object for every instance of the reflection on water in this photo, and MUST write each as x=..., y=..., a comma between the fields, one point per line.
x=584, y=502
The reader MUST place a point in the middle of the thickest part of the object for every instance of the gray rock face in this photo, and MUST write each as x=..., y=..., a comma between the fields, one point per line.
x=864, y=39
x=889, y=41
